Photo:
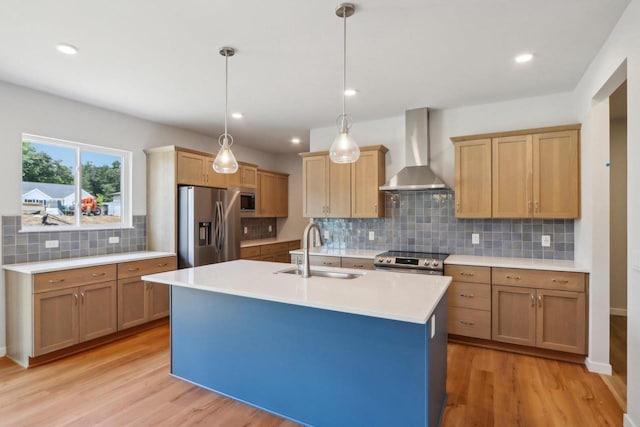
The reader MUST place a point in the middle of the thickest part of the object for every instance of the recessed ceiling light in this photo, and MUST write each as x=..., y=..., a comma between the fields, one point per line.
x=524, y=57
x=350, y=92
x=67, y=49
x=237, y=115
x=295, y=140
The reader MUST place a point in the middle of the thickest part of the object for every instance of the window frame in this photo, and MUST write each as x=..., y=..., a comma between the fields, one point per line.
x=126, y=185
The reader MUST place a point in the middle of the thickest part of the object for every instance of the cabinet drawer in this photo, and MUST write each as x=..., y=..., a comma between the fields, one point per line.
x=470, y=295
x=74, y=277
x=327, y=261
x=358, y=263
x=558, y=280
x=276, y=248
x=468, y=273
x=295, y=244
x=469, y=322
x=147, y=266
x=249, y=252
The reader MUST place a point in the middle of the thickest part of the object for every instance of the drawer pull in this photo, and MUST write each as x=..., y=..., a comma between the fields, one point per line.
x=358, y=265
x=163, y=264
x=56, y=281
x=467, y=295
x=559, y=281
x=539, y=300
x=97, y=274
x=508, y=276
x=466, y=323
x=533, y=301
x=462, y=273
x=75, y=295
x=327, y=263
x=133, y=269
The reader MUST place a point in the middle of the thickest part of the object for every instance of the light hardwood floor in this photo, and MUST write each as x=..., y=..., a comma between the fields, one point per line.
x=617, y=382
x=128, y=383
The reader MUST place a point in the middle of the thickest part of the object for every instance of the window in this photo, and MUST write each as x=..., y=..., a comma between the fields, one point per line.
x=67, y=185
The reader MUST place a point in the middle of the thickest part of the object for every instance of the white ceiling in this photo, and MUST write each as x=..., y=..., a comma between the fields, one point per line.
x=158, y=59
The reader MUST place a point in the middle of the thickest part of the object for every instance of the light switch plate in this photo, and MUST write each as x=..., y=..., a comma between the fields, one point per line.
x=246, y=230
x=51, y=244
x=270, y=229
x=325, y=234
x=475, y=238
x=372, y=235
x=546, y=241
x=114, y=239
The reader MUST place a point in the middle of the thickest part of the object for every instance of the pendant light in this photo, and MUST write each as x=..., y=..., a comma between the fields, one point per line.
x=225, y=160
x=344, y=148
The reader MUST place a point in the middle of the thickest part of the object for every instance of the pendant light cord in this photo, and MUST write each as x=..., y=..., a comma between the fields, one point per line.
x=226, y=92
x=344, y=63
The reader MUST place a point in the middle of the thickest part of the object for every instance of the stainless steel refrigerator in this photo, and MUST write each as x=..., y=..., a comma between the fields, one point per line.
x=208, y=226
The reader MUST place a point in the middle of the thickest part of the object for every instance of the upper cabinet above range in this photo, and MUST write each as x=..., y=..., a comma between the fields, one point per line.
x=331, y=190
x=533, y=173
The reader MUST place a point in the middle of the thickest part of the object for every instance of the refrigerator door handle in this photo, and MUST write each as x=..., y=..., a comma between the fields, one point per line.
x=223, y=225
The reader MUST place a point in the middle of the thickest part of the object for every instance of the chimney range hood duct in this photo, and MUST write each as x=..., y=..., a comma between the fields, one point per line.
x=417, y=175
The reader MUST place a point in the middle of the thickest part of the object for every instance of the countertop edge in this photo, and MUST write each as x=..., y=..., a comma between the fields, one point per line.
x=521, y=263
x=262, y=242
x=80, y=262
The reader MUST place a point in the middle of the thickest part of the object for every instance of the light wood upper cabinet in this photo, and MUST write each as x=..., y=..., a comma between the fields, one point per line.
x=246, y=176
x=191, y=168
x=535, y=173
x=333, y=190
x=473, y=178
x=273, y=194
x=367, y=175
x=556, y=175
x=511, y=177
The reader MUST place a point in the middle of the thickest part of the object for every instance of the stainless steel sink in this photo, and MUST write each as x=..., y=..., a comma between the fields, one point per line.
x=322, y=273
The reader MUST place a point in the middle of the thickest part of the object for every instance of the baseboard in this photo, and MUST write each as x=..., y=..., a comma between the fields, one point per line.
x=3, y=351
x=618, y=311
x=628, y=422
x=597, y=367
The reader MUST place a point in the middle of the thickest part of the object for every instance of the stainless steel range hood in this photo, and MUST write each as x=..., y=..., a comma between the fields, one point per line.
x=417, y=175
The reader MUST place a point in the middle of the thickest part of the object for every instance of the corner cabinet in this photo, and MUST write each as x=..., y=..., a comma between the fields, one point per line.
x=331, y=190
x=533, y=173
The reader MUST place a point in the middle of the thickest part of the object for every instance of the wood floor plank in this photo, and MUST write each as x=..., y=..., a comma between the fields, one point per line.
x=128, y=383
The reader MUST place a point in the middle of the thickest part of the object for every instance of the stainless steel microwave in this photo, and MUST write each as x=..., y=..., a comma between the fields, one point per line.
x=247, y=202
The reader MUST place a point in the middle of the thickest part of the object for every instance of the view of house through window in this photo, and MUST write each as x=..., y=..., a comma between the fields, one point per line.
x=68, y=184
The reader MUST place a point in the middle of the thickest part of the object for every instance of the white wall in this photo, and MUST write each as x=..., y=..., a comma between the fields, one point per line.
x=618, y=215
x=30, y=111
x=622, y=44
x=292, y=226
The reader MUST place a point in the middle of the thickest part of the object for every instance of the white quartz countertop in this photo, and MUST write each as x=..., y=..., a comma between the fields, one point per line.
x=260, y=242
x=527, y=263
x=351, y=253
x=396, y=296
x=65, y=264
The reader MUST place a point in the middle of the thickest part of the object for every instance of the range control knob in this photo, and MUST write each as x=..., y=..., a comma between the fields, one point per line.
x=426, y=262
x=380, y=259
x=388, y=260
x=435, y=263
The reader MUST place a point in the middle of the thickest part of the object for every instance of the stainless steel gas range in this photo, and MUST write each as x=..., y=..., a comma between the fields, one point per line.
x=411, y=262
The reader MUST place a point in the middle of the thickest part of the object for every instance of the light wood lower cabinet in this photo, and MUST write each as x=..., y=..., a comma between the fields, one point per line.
x=561, y=321
x=469, y=299
x=334, y=261
x=272, y=252
x=514, y=315
x=69, y=316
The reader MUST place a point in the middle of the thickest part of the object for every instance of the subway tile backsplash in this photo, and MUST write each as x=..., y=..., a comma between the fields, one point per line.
x=30, y=247
x=425, y=221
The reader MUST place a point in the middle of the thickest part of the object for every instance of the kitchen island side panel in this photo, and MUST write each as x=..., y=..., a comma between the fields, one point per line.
x=313, y=366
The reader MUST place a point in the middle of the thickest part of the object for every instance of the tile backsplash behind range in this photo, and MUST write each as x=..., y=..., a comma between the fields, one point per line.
x=30, y=247
x=425, y=221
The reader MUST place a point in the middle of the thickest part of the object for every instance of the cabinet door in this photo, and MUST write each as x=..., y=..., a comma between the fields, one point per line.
x=511, y=178
x=315, y=176
x=473, y=179
x=366, y=200
x=514, y=315
x=339, y=197
x=234, y=179
x=561, y=322
x=212, y=178
x=158, y=304
x=249, y=176
x=282, y=196
x=191, y=169
x=267, y=197
x=97, y=310
x=132, y=302
x=55, y=320
x=286, y=258
x=556, y=175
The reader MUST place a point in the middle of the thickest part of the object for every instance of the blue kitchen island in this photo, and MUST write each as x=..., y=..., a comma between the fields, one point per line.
x=367, y=351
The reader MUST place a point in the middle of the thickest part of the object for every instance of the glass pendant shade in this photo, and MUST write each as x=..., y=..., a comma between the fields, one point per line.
x=344, y=148
x=225, y=160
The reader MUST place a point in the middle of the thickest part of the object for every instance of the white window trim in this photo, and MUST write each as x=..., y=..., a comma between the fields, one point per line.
x=126, y=170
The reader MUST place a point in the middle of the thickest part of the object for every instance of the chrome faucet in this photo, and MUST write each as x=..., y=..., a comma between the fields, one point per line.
x=306, y=269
